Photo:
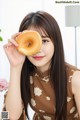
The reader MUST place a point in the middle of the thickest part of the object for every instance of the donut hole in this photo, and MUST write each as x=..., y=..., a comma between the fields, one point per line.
x=29, y=43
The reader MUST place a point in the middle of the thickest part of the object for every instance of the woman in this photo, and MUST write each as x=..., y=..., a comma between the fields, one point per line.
x=43, y=80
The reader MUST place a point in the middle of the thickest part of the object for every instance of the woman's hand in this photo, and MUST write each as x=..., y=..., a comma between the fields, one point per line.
x=14, y=56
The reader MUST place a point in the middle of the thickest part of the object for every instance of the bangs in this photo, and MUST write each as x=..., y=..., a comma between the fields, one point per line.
x=39, y=29
x=40, y=23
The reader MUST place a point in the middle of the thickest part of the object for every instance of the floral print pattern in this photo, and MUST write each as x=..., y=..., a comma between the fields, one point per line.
x=42, y=94
x=33, y=102
x=37, y=91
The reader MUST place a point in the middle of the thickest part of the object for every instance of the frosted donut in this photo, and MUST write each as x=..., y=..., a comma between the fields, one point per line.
x=29, y=42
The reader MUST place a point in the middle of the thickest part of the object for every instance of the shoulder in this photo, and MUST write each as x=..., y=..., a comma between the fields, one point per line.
x=76, y=82
x=73, y=74
x=70, y=70
x=76, y=88
x=70, y=67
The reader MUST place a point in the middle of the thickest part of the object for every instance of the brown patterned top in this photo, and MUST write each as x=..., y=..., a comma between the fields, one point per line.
x=43, y=97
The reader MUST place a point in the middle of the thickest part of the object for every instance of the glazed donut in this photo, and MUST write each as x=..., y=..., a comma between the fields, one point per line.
x=29, y=42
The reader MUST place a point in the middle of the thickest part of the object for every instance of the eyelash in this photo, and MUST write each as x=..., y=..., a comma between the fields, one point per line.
x=44, y=41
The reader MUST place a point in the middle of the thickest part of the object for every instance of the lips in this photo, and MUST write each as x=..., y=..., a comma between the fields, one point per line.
x=38, y=57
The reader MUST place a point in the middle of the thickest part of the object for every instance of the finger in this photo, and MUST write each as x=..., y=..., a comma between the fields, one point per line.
x=13, y=38
x=12, y=41
x=8, y=40
x=7, y=45
x=15, y=35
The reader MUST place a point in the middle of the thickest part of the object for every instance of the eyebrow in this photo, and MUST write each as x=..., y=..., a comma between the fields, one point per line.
x=44, y=36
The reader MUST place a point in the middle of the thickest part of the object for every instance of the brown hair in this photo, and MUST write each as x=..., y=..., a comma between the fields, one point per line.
x=58, y=77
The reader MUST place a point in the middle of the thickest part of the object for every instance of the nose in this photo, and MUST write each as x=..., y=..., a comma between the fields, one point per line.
x=41, y=49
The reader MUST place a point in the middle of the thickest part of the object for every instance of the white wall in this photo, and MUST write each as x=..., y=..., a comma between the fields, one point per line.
x=58, y=11
x=13, y=11
x=11, y=14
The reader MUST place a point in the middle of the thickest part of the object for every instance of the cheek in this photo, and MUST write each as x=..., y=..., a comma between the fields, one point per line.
x=49, y=50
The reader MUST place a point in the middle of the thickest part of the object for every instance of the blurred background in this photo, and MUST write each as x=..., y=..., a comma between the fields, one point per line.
x=13, y=11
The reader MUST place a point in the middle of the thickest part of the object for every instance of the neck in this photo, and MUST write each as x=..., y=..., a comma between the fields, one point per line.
x=42, y=69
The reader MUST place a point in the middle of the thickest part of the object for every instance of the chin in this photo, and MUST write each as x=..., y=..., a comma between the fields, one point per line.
x=38, y=65
x=41, y=65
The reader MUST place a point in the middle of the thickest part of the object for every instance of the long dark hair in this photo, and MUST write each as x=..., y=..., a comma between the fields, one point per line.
x=44, y=21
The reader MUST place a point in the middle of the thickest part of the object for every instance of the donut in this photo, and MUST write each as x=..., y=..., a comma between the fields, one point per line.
x=29, y=42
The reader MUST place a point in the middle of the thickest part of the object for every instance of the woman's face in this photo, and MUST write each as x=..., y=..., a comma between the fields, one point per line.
x=43, y=58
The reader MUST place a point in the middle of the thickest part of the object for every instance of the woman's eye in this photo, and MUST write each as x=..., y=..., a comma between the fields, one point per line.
x=45, y=41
